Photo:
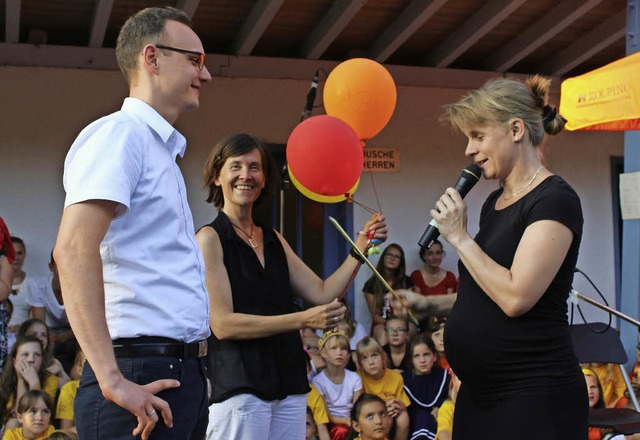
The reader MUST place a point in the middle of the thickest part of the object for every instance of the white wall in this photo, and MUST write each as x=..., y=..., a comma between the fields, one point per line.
x=43, y=109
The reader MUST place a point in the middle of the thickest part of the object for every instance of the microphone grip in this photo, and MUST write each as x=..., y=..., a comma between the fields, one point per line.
x=430, y=235
x=469, y=177
x=463, y=187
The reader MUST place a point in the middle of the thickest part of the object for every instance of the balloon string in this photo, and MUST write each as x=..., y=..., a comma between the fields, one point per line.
x=375, y=192
x=365, y=207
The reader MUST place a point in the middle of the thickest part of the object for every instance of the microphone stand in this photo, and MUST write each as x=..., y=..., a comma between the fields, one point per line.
x=630, y=320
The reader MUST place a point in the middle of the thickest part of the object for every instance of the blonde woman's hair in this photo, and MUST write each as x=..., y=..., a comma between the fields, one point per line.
x=501, y=100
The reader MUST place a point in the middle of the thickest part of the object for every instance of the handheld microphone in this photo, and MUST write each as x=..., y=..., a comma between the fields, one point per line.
x=468, y=178
x=311, y=97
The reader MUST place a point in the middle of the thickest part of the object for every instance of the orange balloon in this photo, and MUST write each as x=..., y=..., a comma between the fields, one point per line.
x=319, y=197
x=362, y=93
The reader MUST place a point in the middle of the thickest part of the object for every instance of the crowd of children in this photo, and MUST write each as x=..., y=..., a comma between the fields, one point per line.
x=389, y=385
x=391, y=392
x=360, y=389
x=36, y=394
x=394, y=382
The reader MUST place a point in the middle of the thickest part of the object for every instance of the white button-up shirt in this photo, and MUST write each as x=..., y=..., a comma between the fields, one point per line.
x=154, y=276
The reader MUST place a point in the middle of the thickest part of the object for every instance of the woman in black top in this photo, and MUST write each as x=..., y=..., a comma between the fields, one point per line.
x=507, y=337
x=258, y=370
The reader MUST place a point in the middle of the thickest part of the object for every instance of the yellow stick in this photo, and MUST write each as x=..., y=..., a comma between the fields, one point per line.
x=372, y=267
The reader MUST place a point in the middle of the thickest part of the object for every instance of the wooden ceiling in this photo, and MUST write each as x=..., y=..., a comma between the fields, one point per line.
x=552, y=37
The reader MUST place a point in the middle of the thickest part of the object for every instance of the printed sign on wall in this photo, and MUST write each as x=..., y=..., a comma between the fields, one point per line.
x=381, y=159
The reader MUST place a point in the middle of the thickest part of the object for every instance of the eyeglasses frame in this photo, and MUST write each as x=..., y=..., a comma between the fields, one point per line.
x=200, y=55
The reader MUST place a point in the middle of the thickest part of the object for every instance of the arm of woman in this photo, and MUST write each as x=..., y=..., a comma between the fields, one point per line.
x=313, y=289
x=6, y=277
x=423, y=306
x=518, y=288
x=226, y=324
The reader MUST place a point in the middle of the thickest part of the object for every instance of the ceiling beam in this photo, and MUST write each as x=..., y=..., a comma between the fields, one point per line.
x=254, y=26
x=603, y=36
x=407, y=23
x=188, y=6
x=12, y=21
x=331, y=25
x=99, y=22
x=103, y=62
x=540, y=32
x=68, y=57
x=471, y=31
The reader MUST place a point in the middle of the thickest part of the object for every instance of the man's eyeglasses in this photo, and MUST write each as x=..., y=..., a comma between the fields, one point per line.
x=395, y=331
x=200, y=55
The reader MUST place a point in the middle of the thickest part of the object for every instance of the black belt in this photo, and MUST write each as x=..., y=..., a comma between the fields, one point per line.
x=152, y=346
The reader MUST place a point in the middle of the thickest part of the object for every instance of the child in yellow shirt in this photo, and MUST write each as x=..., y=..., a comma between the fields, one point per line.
x=384, y=383
x=34, y=414
x=64, y=408
x=445, y=414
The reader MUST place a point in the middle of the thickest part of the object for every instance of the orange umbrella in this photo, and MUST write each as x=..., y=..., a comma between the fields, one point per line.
x=607, y=98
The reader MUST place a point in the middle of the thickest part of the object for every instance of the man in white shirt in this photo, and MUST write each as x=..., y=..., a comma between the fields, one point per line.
x=131, y=271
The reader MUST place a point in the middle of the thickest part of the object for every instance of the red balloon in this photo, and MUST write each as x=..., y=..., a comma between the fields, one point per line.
x=325, y=155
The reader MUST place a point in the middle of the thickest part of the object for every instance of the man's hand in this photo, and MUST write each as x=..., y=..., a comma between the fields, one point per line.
x=142, y=402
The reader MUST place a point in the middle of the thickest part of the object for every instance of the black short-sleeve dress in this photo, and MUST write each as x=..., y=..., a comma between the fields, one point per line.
x=520, y=376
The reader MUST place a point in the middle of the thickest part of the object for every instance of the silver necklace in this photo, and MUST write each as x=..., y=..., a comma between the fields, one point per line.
x=252, y=241
x=524, y=187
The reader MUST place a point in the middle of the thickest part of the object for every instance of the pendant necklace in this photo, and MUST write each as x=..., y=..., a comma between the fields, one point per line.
x=252, y=241
x=524, y=187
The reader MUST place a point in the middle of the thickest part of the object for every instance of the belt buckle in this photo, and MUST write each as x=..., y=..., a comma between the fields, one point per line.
x=202, y=348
